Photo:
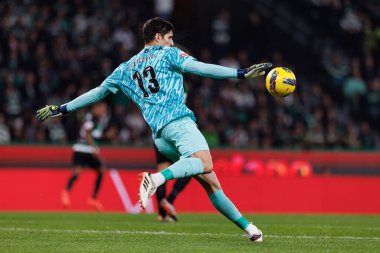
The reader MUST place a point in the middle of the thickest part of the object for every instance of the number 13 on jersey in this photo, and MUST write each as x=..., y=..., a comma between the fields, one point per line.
x=154, y=86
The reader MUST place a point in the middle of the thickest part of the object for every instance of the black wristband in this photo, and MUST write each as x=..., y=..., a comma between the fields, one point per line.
x=63, y=109
x=241, y=73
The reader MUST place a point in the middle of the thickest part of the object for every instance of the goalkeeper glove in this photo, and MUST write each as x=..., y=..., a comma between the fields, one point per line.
x=254, y=71
x=50, y=111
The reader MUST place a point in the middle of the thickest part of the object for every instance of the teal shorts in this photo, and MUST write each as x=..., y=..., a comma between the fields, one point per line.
x=180, y=139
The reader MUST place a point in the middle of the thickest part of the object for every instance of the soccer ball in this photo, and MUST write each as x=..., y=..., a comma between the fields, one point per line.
x=280, y=82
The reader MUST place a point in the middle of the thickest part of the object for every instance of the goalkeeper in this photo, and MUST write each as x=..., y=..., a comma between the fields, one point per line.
x=153, y=80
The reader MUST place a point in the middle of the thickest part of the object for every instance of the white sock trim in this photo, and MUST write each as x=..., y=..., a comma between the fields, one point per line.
x=157, y=178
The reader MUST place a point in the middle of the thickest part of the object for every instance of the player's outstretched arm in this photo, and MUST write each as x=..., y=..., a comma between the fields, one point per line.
x=95, y=95
x=217, y=71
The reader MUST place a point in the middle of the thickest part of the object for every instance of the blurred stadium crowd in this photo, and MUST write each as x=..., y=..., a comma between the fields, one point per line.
x=51, y=52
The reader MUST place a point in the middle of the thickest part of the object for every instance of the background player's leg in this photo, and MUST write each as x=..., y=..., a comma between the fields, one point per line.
x=178, y=186
x=65, y=196
x=162, y=163
x=79, y=160
x=167, y=203
x=98, y=181
x=224, y=205
x=96, y=163
x=160, y=195
x=73, y=178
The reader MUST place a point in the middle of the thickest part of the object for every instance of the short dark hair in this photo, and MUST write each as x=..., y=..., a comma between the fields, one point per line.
x=154, y=26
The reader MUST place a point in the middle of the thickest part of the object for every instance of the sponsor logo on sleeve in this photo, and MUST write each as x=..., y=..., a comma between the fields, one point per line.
x=183, y=54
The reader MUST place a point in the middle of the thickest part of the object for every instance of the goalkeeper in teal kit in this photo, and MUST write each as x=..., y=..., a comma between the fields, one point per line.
x=153, y=80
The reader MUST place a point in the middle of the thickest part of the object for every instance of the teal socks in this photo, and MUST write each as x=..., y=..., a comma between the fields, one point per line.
x=228, y=209
x=183, y=168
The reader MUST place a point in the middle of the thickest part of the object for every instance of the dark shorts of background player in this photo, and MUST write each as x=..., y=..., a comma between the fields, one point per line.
x=86, y=160
x=160, y=158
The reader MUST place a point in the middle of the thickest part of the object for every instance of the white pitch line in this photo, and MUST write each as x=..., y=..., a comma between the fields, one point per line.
x=320, y=226
x=196, y=224
x=94, y=231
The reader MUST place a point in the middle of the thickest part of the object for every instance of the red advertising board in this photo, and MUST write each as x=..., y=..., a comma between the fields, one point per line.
x=39, y=190
x=257, y=181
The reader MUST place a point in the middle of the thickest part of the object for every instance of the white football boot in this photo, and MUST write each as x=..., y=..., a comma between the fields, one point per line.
x=146, y=190
x=256, y=235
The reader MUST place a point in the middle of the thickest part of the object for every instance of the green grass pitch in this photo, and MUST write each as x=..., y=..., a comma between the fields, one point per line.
x=116, y=232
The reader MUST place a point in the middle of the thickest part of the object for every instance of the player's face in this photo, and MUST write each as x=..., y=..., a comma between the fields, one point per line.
x=167, y=39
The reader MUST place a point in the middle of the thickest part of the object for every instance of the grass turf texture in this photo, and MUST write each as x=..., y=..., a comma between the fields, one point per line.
x=115, y=232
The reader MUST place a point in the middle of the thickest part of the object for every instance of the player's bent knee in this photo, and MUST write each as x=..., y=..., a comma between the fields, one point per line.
x=206, y=159
x=208, y=167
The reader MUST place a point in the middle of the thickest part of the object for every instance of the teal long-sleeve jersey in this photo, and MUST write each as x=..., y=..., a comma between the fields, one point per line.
x=153, y=80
